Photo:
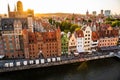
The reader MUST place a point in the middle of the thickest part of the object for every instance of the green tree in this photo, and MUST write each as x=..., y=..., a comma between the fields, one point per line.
x=108, y=22
x=89, y=20
x=51, y=21
x=57, y=24
x=115, y=23
x=65, y=25
x=73, y=27
x=77, y=29
x=110, y=19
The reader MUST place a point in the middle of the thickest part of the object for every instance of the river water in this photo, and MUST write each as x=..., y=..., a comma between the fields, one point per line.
x=103, y=69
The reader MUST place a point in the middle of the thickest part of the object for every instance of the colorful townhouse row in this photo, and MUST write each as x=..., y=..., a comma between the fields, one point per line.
x=88, y=39
x=28, y=38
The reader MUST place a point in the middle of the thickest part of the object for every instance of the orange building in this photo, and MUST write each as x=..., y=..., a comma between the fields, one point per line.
x=33, y=52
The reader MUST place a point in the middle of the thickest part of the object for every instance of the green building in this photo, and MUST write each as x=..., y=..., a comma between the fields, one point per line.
x=64, y=43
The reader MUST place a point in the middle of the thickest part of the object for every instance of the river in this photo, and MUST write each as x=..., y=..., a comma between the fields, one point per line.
x=103, y=69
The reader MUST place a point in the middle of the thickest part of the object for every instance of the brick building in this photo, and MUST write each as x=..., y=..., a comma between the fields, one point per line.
x=108, y=37
x=11, y=36
x=46, y=43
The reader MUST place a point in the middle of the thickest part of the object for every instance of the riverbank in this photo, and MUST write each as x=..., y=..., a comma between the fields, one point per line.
x=101, y=69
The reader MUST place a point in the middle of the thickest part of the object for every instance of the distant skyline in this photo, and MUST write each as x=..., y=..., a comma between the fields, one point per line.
x=65, y=6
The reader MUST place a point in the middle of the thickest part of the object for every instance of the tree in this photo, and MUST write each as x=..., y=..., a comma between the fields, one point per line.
x=51, y=21
x=108, y=22
x=57, y=24
x=110, y=19
x=89, y=21
x=77, y=29
x=65, y=25
x=73, y=27
x=115, y=23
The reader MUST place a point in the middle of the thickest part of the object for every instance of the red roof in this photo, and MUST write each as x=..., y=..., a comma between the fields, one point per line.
x=79, y=33
x=95, y=35
x=108, y=33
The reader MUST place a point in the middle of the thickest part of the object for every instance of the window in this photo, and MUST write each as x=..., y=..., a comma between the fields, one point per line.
x=5, y=51
x=11, y=51
x=10, y=41
x=11, y=46
x=95, y=41
x=19, y=31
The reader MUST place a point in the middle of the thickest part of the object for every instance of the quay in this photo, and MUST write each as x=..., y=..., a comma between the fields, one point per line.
x=62, y=60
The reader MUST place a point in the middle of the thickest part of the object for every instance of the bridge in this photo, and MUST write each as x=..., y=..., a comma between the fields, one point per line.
x=13, y=65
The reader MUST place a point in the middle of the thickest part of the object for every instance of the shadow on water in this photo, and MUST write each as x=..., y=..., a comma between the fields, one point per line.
x=104, y=69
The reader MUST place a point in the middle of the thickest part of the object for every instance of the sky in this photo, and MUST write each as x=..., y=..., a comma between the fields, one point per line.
x=66, y=6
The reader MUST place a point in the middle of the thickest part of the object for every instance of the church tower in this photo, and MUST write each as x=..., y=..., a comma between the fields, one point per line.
x=19, y=6
x=87, y=13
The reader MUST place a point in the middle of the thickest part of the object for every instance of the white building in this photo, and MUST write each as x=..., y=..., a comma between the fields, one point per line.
x=80, y=41
x=87, y=38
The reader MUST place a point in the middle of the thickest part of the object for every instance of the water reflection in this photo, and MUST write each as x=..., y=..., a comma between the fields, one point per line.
x=105, y=69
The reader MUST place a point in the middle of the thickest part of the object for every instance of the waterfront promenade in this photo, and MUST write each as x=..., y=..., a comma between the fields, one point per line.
x=64, y=59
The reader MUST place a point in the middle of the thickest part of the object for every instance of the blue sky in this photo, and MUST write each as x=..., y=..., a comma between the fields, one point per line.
x=66, y=6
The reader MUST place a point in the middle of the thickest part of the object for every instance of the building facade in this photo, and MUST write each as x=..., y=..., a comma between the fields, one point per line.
x=72, y=44
x=80, y=41
x=1, y=45
x=108, y=38
x=87, y=38
x=64, y=43
x=95, y=40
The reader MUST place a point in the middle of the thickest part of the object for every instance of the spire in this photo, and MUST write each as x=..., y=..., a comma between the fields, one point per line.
x=8, y=8
x=87, y=13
